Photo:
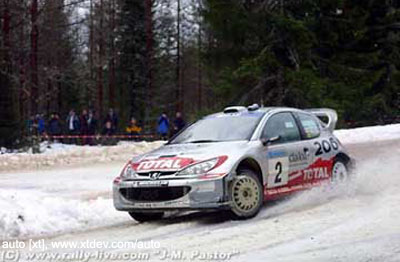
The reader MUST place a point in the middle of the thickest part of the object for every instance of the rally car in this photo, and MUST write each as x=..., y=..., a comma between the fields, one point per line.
x=234, y=160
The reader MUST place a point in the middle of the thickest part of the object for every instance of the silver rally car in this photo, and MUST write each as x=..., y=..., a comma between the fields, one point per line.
x=234, y=160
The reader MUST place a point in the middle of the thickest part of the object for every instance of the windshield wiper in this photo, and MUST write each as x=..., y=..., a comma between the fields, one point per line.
x=203, y=141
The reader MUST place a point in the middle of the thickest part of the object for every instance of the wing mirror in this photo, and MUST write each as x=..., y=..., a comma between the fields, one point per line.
x=271, y=140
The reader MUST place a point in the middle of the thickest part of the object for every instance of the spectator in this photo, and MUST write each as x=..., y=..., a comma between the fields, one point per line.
x=72, y=125
x=163, y=126
x=179, y=123
x=40, y=124
x=33, y=125
x=112, y=117
x=92, y=127
x=35, y=140
x=133, y=129
x=108, y=132
x=84, y=126
x=54, y=125
x=30, y=125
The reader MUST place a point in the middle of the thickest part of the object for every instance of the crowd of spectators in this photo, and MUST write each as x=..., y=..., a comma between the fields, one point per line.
x=86, y=129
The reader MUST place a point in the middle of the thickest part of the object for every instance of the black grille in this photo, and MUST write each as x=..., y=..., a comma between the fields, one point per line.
x=154, y=193
x=147, y=174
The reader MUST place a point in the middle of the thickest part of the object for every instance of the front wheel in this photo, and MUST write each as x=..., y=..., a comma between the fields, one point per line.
x=247, y=194
x=144, y=217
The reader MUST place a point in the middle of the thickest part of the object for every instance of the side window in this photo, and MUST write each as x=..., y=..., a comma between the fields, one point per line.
x=310, y=125
x=283, y=125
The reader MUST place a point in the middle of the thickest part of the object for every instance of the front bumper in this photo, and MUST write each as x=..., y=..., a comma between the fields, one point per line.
x=170, y=194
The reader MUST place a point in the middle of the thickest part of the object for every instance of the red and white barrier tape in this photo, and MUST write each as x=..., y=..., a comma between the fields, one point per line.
x=97, y=136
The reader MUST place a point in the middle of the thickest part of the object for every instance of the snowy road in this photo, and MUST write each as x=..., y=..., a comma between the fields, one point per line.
x=359, y=223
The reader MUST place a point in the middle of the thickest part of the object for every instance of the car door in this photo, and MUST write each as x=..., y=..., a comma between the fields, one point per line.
x=287, y=154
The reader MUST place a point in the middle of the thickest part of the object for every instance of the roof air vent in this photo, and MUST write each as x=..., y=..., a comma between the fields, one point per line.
x=253, y=107
x=234, y=109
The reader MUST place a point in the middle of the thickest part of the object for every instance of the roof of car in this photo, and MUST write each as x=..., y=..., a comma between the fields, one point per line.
x=243, y=111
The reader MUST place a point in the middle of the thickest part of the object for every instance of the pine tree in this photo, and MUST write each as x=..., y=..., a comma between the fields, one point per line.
x=340, y=54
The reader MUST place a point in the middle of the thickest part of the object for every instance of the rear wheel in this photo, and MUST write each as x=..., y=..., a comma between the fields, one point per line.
x=144, y=217
x=340, y=172
x=246, y=194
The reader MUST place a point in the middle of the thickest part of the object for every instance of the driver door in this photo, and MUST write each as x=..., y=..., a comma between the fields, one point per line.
x=287, y=154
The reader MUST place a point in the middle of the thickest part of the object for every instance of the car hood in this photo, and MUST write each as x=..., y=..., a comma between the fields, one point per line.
x=174, y=157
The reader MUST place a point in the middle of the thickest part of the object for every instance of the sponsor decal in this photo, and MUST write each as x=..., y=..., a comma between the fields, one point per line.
x=157, y=183
x=285, y=190
x=298, y=157
x=316, y=173
x=276, y=154
x=162, y=164
x=319, y=170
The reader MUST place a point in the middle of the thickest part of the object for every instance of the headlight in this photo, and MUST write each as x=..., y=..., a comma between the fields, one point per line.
x=199, y=168
x=128, y=173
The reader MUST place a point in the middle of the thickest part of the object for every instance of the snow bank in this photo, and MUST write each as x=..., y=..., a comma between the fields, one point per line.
x=368, y=134
x=61, y=154
x=33, y=214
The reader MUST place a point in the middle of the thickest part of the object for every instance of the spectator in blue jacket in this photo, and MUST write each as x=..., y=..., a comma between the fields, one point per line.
x=54, y=126
x=163, y=126
x=40, y=124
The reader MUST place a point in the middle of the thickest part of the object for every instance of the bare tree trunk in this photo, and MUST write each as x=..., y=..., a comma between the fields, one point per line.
x=199, y=66
x=111, y=83
x=91, y=54
x=149, y=56
x=178, y=59
x=50, y=35
x=21, y=58
x=6, y=37
x=100, y=65
x=182, y=75
x=34, y=57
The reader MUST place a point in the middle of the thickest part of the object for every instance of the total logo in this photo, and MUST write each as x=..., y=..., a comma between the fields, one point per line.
x=163, y=164
x=316, y=173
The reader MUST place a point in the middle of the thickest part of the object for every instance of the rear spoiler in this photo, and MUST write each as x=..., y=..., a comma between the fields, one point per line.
x=328, y=113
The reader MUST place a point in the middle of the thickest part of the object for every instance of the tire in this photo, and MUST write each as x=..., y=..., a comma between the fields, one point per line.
x=340, y=172
x=246, y=192
x=144, y=217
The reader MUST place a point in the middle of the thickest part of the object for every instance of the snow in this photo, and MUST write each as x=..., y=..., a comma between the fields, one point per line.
x=348, y=223
x=61, y=155
x=31, y=214
x=368, y=134
x=38, y=203
x=359, y=222
x=65, y=188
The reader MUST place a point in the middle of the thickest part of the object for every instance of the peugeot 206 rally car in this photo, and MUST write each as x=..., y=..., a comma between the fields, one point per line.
x=234, y=160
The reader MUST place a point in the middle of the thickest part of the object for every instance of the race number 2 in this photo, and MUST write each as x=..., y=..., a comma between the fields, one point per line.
x=278, y=171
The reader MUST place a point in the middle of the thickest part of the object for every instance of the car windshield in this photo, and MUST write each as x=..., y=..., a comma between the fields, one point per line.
x=219, y=128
